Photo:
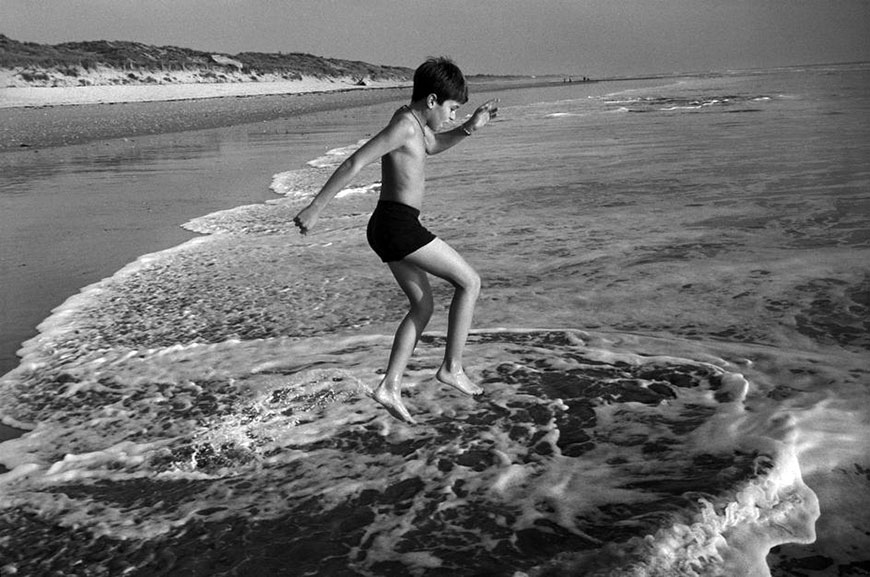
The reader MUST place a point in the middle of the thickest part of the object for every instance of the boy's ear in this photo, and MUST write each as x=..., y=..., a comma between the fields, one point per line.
x=431, y=100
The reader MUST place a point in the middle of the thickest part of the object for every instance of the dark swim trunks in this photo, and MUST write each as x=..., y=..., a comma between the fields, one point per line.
x=395, y=231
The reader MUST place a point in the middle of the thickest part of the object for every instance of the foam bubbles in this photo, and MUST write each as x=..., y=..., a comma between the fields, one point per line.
x=572, y=446
x=332, y=158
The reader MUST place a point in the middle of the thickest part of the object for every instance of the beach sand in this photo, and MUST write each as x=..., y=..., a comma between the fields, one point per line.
x=34, y=117
x=108, y=90
x=37, y=117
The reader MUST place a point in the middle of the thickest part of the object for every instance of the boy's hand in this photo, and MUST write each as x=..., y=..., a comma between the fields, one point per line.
x=483, y=114
x=305, y=219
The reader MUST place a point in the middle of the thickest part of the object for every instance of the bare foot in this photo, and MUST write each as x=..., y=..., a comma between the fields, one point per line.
x=392, y=400
x=458, y=380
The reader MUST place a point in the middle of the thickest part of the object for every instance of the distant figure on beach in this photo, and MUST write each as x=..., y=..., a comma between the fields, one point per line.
x=394, y=230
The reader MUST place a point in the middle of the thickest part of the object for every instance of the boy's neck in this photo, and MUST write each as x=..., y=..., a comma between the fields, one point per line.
x=418, y=109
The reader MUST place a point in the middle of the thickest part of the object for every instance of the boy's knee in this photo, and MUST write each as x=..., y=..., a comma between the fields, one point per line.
x=472, y=282
x=466, y=280
x=423, y=308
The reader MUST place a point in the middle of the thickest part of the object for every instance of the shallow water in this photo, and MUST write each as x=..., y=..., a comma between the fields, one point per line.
x=673, y=337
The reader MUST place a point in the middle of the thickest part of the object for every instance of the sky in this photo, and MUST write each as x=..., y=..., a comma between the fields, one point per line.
x=596, y=38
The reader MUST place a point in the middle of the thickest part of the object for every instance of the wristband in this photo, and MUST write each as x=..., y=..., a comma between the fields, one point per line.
x=465, y=130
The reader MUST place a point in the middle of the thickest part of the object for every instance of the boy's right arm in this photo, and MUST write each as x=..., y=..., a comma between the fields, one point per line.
x=387, y=140
x=308, y=216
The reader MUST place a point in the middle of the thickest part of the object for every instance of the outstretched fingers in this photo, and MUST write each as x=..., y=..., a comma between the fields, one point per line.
x=302, y=228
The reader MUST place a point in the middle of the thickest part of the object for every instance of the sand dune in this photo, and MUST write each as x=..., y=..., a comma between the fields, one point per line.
x=21, y=96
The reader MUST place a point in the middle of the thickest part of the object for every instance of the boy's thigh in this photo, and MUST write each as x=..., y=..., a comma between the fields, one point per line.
x=412, y=279
x=440, y=259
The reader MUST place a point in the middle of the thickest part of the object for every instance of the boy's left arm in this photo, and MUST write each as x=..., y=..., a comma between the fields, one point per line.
x=441, y=141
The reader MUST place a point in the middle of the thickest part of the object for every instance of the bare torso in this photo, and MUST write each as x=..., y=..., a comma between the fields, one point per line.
x=402, y=170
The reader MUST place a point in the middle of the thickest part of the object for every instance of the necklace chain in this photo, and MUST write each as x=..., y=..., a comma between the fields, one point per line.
x=411, y=111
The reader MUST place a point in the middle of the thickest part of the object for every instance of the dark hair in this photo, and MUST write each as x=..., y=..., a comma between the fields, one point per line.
x=441, y=77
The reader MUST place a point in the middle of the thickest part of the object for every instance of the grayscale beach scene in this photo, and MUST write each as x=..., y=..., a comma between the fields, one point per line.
x=670, y=217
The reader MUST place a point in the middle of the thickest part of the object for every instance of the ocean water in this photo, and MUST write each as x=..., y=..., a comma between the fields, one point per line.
x=673, y=336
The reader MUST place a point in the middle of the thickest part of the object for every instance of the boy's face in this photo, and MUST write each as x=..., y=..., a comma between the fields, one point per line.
x=443, y=113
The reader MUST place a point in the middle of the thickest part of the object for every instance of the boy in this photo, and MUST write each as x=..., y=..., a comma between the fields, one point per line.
x=394, y=231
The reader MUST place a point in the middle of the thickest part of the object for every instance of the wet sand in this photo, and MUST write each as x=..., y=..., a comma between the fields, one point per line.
x=46, y=126
x=40, y=127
